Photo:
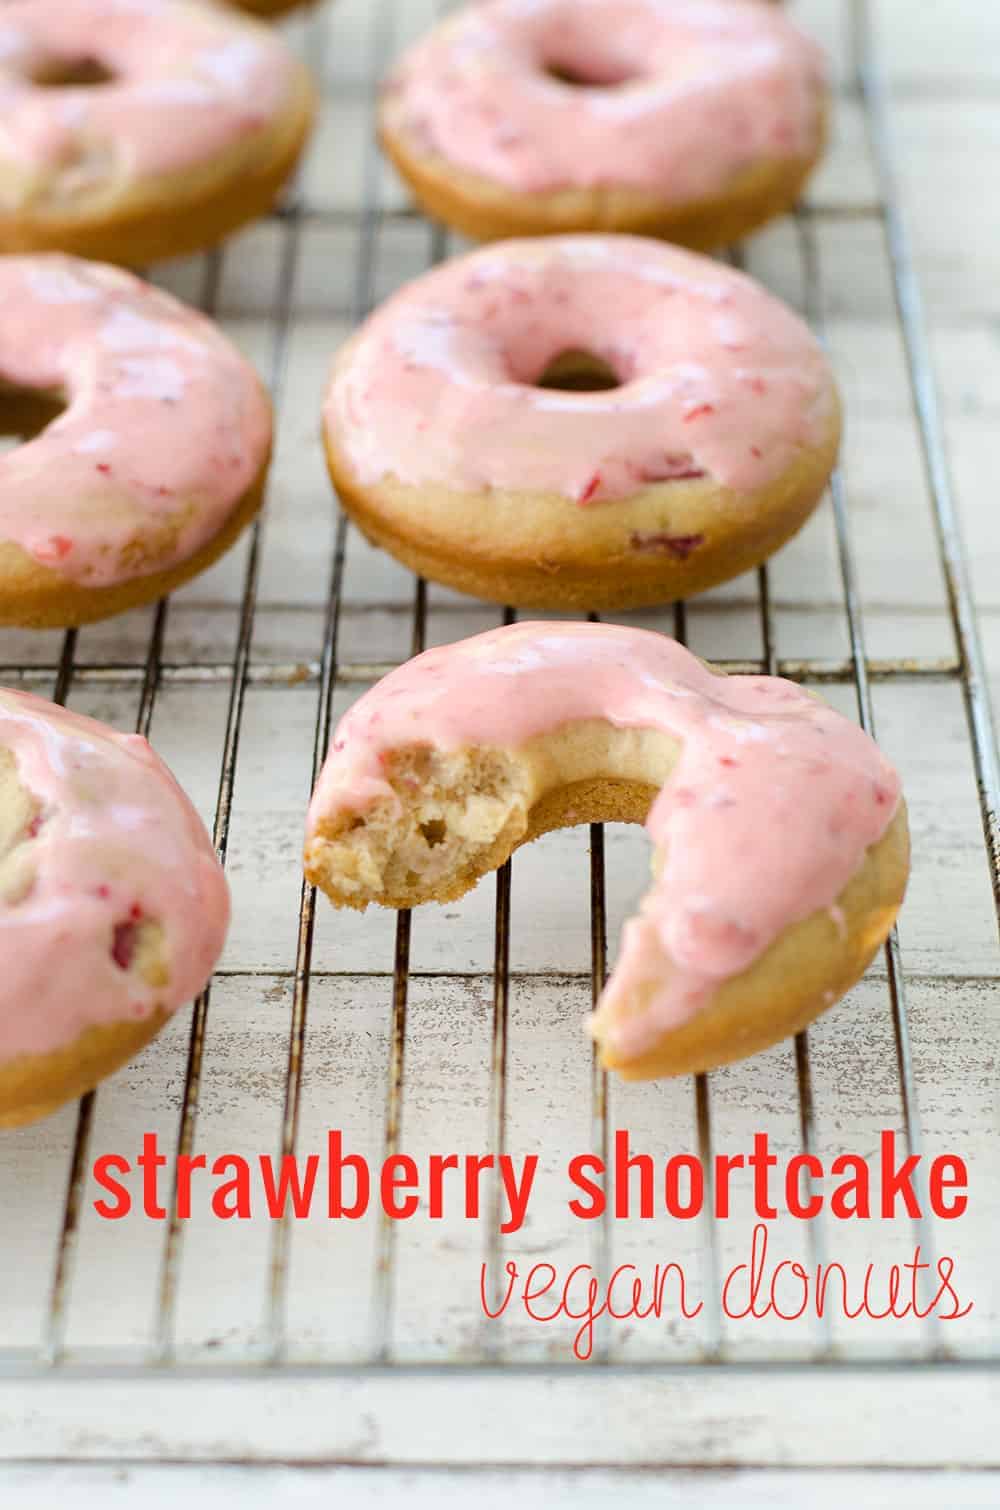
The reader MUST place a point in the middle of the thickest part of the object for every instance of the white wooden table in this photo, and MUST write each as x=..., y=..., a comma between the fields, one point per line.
x=97, y=1428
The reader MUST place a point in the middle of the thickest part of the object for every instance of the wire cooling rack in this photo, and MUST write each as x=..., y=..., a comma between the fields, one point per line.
x=123, y=1362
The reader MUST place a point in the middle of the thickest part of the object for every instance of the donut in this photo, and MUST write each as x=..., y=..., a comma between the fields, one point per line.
x=153, y=467
x=780, y=839
x=113, y=906
x=455, y=441
x=132, y=130
x=695, y=120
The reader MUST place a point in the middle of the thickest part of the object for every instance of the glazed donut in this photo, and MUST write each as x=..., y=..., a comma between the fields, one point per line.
x=695, y=120
x=711, y=452
x=132, y=130
x=157, y=462
x=113, y=906
x=781, y=849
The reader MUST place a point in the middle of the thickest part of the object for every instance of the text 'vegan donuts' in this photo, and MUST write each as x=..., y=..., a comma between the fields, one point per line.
x=710, y=452
x=696, y=120
x=154, y=466
x=132, y=130
x=781, y=850
x=113, y=906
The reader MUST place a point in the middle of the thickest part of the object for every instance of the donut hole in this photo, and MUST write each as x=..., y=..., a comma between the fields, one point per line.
x=25, y=413
x=589, y=73
x=578, y=372
x=64, y=73
x=454, y=812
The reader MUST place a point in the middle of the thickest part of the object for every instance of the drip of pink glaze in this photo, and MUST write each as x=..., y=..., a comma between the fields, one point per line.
x=772, y=803
x=438, y=385
x=120, y=843
x=166, y=428
x=189, y=82
x=683, y=94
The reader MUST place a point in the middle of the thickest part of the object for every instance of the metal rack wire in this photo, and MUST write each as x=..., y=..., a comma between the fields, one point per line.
x=965, y=668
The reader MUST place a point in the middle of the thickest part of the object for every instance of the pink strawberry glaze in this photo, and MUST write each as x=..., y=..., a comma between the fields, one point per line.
x=767, y=815
x=681, y=94
x=166, y=426
x=115, y=841
x=717, y=376
x=189, y=81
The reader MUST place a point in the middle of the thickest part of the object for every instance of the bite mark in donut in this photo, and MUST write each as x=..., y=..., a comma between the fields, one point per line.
x=779, y=832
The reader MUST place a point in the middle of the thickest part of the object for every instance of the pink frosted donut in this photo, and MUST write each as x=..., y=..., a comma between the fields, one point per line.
x=113, y=906
x=696, y=120
x=157, y=461
x=132, y=130
x=780, y=837
x=709, y=453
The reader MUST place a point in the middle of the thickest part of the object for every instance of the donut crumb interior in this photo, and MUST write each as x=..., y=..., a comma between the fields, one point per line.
x=449, y=810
